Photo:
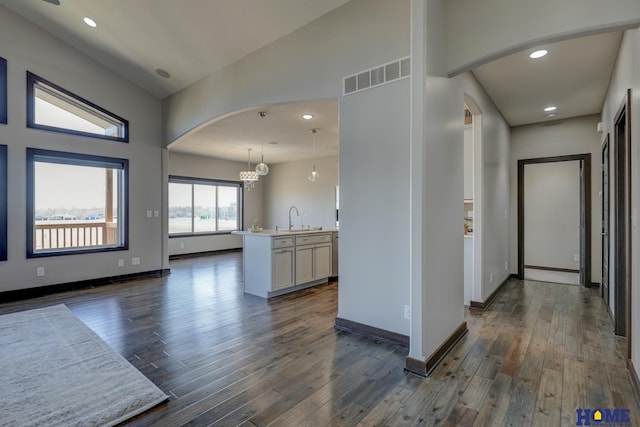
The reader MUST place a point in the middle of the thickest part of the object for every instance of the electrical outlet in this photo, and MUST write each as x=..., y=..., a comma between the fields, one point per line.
x=121, y=263
x=40, y=271
x=490, y=277
x=576, y=258
x=135, y=261
x=407, y=312
x=506, y=267
x=182, y=245
x=149, y=214
x=156, y=214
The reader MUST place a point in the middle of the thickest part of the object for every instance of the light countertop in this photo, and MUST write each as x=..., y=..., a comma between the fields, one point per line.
x=284, y=232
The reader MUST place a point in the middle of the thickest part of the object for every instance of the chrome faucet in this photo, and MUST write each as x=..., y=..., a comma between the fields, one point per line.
x=297, y=213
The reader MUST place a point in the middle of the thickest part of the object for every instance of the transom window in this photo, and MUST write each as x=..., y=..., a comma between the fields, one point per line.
x=203, y=206
x=52, y=108
x=75, y=203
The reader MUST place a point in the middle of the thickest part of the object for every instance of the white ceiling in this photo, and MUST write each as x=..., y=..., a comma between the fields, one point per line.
x=190, y=39
x=194, y=38
x=230, y=137
x=573, y=76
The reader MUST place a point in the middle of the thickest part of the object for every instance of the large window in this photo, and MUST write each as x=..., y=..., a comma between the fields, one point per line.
x=76, y=203
x=3, y=202
x=202, y=206
x=50, y=107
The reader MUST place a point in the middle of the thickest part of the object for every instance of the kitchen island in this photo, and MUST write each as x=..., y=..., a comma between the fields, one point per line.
x=279, y=262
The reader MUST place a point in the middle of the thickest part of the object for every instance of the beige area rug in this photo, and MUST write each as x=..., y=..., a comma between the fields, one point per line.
x=55, y=371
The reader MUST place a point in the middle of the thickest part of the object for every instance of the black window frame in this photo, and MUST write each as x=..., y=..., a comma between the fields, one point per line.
x=79, y=160
x=213, y=182
x=33, y=79
x=3, y=202
x=3, y=91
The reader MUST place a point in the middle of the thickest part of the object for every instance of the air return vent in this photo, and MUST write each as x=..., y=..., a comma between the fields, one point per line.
x=373, y=77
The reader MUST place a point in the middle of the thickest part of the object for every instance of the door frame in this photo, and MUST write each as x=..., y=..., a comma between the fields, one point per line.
x=622, y=226
x=606, y=227
x=585, y=209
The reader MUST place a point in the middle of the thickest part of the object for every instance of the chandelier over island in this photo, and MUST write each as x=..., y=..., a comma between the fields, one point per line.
x=250, y=176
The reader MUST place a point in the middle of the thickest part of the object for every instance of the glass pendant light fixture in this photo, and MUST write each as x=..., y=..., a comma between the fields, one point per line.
x=314, y=176
x=262, y=168
x=249, y=177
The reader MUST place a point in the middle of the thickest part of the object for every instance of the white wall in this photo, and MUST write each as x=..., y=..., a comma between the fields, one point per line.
x=374, y=207
x=559, y=138
x=26, y=47
x=552, y=214
x=306, y=64
x=287, y=185
x=437, y=186
x=627, y=76
x=211, y=168
x=481, y=30
x=491, y=144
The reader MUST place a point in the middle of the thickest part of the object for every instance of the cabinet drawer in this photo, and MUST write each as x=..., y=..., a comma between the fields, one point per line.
x=310, y=239
x=282, y=242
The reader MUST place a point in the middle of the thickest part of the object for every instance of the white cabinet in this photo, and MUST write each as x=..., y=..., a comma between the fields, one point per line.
x=304, y=264
x=313, y=257
x=282, y=268
x=322, y=259
x=277, y=263
x=334, y=258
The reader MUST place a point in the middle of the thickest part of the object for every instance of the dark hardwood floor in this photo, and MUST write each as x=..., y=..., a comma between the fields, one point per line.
x=536, y=355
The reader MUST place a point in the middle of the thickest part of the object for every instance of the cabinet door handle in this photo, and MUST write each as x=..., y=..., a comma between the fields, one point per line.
x=284, y=251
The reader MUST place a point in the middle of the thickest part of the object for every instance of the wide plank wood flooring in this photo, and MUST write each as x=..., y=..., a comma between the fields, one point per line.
x=540, y=351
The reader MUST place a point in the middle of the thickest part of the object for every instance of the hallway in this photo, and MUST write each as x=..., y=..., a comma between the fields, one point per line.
x=537, y=354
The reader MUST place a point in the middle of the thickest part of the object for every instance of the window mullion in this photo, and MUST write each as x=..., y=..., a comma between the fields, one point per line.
x=216, y=209
x=193, y=208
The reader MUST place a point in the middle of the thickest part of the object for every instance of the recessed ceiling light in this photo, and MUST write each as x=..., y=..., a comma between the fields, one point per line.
x=550, y=115
x=163, y=73
x=273, y=142
x=538, y=54
x=90, y=22
x=552, y=108
x=307, y=116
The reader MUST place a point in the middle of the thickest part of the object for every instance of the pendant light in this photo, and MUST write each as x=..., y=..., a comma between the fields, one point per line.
x=314, y=176
x=262, y=168
x=249, y=177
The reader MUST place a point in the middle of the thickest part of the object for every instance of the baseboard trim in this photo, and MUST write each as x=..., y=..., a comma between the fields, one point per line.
x=29, y=293
x=560, y=270
x=371, y=332
x=480, y=305
x=416, y=366
x=635, y=381
x=425, y=368
x=203, y=254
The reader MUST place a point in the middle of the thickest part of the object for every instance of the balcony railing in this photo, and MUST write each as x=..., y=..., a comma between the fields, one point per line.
x=74, y=234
